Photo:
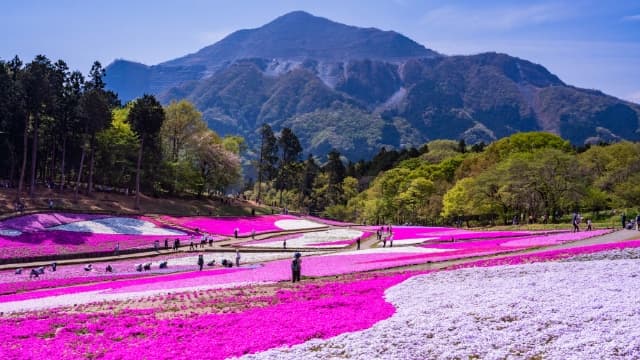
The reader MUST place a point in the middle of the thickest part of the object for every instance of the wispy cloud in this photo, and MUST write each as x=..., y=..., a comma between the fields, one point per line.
x=498, y=18
x=634, y=97
x=631, y=18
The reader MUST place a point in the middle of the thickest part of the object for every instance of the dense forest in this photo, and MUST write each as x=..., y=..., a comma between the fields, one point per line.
x=62, y=131
x=527, y=177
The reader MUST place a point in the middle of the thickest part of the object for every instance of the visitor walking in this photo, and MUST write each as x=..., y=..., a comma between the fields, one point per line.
x=284, y=244
x=253, y=234
x=589, y=227
x=237, y=258
x=358, y=244
x=235, y=232
x=624, y=220
x=384, y=241
x=296, y=267
x=166, y=244
x=116, y=251
x=200, y=261
x=576, y=228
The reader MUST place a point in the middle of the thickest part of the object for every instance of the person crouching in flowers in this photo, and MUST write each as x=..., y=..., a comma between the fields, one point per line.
x=296, y=267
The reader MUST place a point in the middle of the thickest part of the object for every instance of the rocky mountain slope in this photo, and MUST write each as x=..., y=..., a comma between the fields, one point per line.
x=356, y=90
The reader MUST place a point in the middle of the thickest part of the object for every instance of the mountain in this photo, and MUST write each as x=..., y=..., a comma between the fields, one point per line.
x=356, y=89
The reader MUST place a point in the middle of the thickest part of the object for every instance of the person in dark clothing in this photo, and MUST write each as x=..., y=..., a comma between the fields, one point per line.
x=34, y=273
x=296, y=267
x=54, y=266
x=358, y=244
x=200, y=261
x=624, y=220
x=109, y=268
x=166, y=244
x=576, y=228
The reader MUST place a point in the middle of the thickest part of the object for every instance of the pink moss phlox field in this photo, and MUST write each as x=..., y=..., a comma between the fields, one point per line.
x=31, y=285
x=271, y=239
x=293, y=317
x=226, y=226
x=328, y=221
x=553, y=239
x=36, y=238
x=144, y=281
x=444, y=233
x=550, y=255
x=343, y=242
x=42, y=221
x=66, y=242
x=75, y=274
x=280, y=239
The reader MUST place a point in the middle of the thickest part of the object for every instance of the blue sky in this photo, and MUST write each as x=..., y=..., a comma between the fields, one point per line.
x=590, y=44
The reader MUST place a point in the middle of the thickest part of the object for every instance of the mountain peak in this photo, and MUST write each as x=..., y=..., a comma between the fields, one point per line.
x=298, y=15
x=301, y=36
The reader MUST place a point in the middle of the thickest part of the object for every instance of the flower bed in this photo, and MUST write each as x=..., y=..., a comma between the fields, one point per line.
x=333, y=264
x=410, y=235
x=244, y=224
x=332, y=238
x=58, y=234
x=328, y=221
x=318, y=312
x=289, y=317
x=75, y=274
x=552, y=255
x=536, y=311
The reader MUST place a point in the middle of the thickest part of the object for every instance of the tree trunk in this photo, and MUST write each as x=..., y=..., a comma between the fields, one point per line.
x=34, y=157
x=64, y=156
x=25, y=148
x=12, y=161
x=91, y=163
x=75, y=196
x=51, y=169
x=137, y=204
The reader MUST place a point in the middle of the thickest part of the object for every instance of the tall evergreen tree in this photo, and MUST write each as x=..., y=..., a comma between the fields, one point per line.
x=268, y=156
x=70, y=116
x=336, y=171
x=290, y=150
x=37, y=94
x=146, y=118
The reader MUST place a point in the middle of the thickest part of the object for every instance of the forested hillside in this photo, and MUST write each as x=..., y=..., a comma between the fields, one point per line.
x=65, y=132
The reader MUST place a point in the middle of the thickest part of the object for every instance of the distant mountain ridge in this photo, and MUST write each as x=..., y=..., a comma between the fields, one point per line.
x=356, y=89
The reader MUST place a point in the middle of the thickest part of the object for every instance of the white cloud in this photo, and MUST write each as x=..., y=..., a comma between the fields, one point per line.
x=495, y=18
x=633, y=97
